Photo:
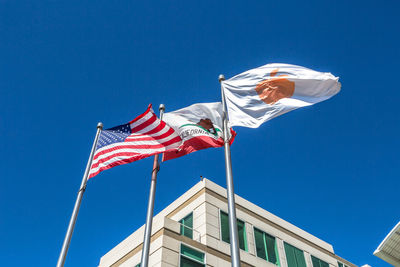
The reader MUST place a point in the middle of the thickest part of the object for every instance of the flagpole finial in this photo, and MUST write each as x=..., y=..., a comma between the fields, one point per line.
x=162, y=107
x=100, y=125
x=221, y=78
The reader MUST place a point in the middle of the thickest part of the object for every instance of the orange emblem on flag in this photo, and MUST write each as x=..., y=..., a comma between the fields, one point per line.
x=275, y=88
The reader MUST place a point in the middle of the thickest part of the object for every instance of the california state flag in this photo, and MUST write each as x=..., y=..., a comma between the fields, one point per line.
x=261, y=94
x=199, y=126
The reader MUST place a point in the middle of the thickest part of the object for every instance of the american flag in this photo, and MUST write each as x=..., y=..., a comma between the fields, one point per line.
x=144, y=136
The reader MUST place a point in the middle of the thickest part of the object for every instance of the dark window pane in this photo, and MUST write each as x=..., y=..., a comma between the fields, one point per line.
x=260, y=247
x=185, y=262
x=323, y=263
x=315, y=261
x=242, y=235
x=290, y=255
x=192, y=253
x=301, y=261
x=225, y=227
x=340, y=264
x=318, y=263
x=187, y=226
x=294, y=256
x=270, y=240
x=225, y=231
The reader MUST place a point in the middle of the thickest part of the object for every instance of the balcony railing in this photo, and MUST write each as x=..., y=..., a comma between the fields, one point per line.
x=190, y=232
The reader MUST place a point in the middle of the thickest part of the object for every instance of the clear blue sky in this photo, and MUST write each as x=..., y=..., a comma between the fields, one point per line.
x=332, y=169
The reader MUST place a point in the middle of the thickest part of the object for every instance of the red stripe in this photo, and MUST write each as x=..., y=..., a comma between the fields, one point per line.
x=192, y=145
x=233, y=135
x=144, y=124
x=120, y=162
x=124, y=161
x=140, y=138
x=142, y=115
x=127, y=147
x=120, y=154
x=161, y=145
x=157, y=129
x=174, y=140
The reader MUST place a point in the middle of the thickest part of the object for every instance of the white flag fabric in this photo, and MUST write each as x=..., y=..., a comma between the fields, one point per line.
x=263, y=93
x=199, y=126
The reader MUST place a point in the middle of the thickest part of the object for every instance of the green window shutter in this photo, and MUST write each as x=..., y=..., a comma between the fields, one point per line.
x=294, y=256
x=225, y=231
x=260, y=248
x=340, y=264
x=187, y=226
x=271, y=248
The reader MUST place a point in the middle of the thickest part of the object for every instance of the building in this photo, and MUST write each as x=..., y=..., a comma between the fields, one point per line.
x=389, y=249
x=193, y=231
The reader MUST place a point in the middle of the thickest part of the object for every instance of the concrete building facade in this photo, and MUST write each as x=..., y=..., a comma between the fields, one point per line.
x=389, y=249
x=194, y=231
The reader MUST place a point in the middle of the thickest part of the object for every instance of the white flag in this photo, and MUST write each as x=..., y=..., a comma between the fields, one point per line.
x=261, y=94
x=199, y=126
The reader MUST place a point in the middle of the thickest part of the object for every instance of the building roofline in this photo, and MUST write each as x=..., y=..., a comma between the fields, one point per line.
x=380, y=251
x=269, y=216
x=207, y=186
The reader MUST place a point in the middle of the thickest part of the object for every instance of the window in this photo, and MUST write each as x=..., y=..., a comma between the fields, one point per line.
x=191, y=257
x=225, y=230
x=318, y=263
x=341, y=264
x=266, y=246
x=294, y=256
x=187, y=226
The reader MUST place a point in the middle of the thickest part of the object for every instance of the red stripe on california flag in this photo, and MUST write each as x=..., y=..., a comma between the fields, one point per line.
x=192, y=145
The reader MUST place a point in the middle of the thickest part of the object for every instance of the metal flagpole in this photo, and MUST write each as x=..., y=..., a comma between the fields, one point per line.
x=233, y=230
x=70, y=230
x=150, y=207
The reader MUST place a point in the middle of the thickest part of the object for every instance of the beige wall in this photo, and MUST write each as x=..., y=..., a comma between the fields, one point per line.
x=205, y=200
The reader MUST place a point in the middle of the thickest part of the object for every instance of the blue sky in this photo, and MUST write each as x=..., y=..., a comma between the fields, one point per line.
x=332, y=169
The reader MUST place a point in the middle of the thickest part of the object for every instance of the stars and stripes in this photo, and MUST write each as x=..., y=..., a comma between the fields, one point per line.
x=144, y=136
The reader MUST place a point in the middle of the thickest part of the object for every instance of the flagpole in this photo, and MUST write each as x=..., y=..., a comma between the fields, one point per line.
x=150, y=207
x=71, y=226
x=233, y=230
